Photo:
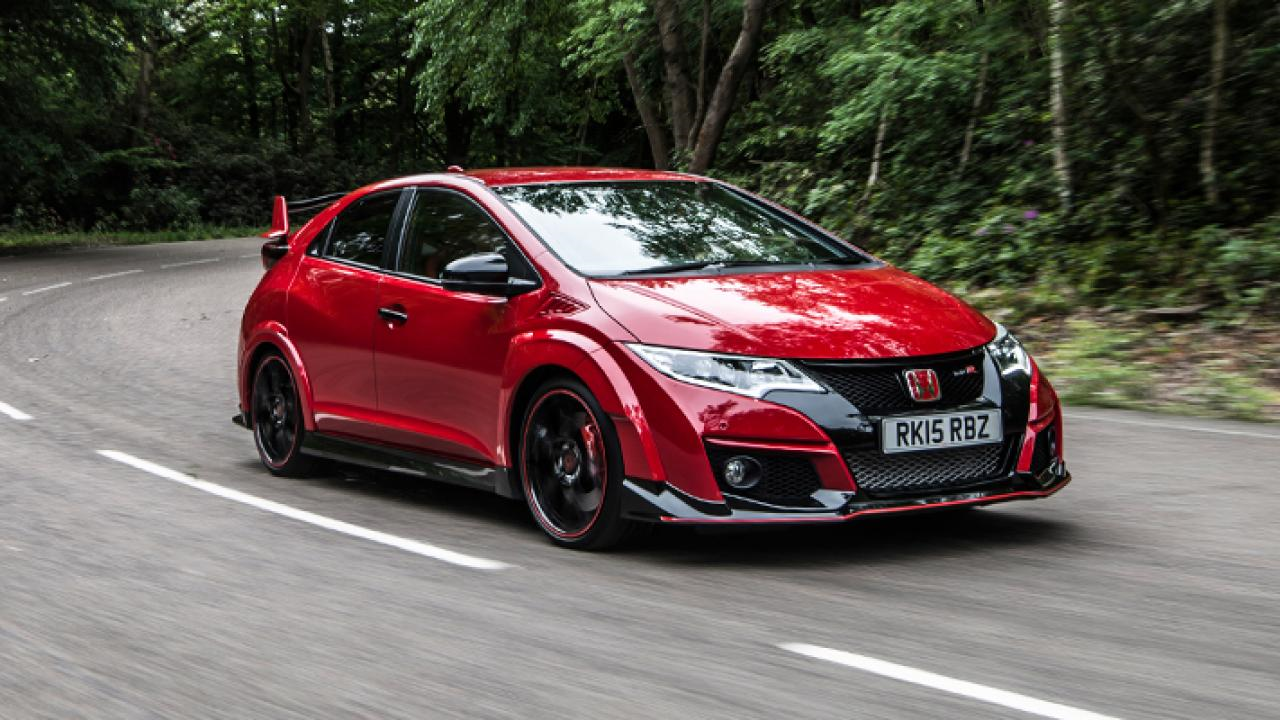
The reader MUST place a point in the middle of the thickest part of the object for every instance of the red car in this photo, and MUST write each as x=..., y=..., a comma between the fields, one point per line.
x=621, y=347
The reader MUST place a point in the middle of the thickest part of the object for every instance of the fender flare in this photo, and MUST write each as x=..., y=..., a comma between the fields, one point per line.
x=273, y=333
x=591, y=362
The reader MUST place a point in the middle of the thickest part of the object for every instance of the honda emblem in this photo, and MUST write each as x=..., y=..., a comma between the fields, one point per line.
x=923, y=385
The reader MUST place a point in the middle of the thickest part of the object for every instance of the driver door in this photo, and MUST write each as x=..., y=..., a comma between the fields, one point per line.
x=439, y=354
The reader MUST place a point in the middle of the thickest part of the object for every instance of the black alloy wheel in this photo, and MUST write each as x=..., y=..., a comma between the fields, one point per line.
x=571, y=467
x=276, y=414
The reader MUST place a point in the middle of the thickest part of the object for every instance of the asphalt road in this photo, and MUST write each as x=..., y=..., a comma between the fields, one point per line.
x=1148, y=588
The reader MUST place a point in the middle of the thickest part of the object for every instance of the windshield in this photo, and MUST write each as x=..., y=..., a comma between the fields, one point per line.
x=630, y=228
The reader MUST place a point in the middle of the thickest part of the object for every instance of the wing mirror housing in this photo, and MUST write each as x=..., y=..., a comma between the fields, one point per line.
x=484, y=274
x=273, y=250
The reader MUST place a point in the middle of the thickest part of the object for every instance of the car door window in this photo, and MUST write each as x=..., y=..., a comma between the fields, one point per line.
x=446, y=225
x=359, y=234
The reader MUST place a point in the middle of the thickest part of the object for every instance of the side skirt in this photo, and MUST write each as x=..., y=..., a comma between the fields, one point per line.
x=430, y=467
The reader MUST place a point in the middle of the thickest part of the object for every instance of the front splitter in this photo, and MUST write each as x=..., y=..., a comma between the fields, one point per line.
x=669, y=506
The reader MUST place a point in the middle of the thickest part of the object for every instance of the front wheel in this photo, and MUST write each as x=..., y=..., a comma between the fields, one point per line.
x=571, y=467
x=276, y=414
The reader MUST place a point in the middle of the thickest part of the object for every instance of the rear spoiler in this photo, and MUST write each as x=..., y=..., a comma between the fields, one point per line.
x=281, y=209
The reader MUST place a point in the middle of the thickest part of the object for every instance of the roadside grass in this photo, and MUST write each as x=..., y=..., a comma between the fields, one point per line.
x=1125, y=359
x=22, y=242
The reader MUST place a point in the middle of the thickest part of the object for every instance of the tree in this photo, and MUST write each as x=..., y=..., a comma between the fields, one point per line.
x=1218, y=62
x=1058, y=102
x=725, y=94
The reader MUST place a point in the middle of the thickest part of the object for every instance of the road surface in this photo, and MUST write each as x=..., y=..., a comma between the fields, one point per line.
x=173, y=577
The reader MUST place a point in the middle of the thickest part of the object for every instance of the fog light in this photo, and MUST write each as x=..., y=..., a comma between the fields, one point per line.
x=742, y=472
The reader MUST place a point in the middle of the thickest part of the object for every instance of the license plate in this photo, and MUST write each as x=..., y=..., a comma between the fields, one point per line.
x=944, y=430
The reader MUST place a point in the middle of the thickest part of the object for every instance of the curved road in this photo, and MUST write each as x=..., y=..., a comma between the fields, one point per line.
x=1149, y=588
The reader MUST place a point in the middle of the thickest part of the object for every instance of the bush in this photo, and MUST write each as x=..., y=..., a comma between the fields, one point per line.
x=1244, y=266
x=151, y=207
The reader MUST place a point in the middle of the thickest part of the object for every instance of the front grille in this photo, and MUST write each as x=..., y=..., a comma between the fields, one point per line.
x=878, y=388
x=786, y=478
x=905, y=473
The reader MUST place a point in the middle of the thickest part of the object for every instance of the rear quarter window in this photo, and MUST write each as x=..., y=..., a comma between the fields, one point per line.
x=359, y=233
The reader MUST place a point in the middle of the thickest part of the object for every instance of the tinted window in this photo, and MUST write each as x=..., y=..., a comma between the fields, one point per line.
x=633, y=227
x=445, y=226
x=360, y=232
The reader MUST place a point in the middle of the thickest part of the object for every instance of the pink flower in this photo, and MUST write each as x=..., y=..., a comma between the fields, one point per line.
x=1030, y=215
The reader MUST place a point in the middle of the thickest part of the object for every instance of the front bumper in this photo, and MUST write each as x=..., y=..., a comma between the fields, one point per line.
x=662, y=503
x=825, y=443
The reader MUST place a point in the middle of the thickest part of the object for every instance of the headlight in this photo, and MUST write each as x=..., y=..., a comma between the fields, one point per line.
x=1007, y=352
x=751, y=376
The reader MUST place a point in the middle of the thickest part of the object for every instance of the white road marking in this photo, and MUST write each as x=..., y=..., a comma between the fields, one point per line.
x=13, y=412
x=3, y=299
x=189, y=262
x=945, y=684
x=1170, y=426
x=47, y=287
x=254, y=255
x=413, y=546
x=114, y=275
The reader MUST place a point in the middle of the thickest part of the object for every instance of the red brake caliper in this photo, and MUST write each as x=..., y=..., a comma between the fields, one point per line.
x=595, y=453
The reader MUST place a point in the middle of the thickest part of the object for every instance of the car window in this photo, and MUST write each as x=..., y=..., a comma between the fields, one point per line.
x=446, y=225
x=360, y=233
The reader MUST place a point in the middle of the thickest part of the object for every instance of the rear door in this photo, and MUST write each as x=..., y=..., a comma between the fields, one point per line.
x=333, y=308
x=440, y=368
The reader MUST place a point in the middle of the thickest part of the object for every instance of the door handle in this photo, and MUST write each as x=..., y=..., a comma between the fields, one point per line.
x=394, y=314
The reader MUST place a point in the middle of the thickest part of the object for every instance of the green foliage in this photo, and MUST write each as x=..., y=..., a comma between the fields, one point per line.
x=164, y=113
x=1244, y=265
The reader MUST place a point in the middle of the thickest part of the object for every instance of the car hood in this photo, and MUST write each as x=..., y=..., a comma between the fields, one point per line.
x=861, y=313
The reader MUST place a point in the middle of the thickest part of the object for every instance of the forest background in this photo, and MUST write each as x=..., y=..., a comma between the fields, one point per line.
x=1102, y=176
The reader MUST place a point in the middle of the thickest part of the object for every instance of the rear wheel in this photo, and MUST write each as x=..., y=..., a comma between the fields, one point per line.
x=276, y=414
x=571, y=467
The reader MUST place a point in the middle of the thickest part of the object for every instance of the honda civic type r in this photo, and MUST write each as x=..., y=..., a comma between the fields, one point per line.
x=620, y=347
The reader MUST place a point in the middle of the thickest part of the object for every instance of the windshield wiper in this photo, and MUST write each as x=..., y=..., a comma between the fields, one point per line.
x=847, y=260
x=698, y=265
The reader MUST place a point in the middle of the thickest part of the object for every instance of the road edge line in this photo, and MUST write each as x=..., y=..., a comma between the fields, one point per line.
x=927, y=679
x=413, y=546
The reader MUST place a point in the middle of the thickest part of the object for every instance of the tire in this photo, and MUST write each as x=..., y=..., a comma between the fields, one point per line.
x=275, y=414
x=571, y=468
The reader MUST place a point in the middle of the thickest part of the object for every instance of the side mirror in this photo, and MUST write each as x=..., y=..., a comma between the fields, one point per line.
x=273, y=250
x=485, y=274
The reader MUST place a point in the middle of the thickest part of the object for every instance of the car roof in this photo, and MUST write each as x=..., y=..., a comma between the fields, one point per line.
x=533, y=175
x=498, y=177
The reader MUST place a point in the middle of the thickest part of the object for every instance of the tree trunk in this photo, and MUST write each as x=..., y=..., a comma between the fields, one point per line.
x=727, y=86
x=341, y=119
x=877, y=152
x=1057, y=102
x=652, y=127
x=148, y=48
x=679, y=99
x=1208, y=138
x=974, y=111
x=287, y=105
x=304, y=80
x=457, y=132
x=330, y=94
x=704, y=48
x=249, y=70
x=402, y=118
